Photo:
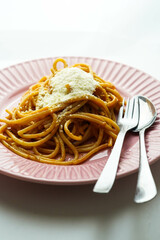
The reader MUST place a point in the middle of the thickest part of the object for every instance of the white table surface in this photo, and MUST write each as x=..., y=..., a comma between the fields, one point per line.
x=124, y=31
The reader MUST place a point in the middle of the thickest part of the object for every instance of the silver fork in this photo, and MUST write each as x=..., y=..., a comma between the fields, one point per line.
x=126, y=123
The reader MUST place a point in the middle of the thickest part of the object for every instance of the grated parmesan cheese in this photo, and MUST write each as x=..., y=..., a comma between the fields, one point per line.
x=67, y=84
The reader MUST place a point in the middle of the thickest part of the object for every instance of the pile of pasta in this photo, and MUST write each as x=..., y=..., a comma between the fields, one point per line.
x=67, y=134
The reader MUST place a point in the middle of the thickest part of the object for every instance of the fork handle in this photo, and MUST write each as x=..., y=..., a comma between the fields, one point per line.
x=146, y=188
x=108, y=175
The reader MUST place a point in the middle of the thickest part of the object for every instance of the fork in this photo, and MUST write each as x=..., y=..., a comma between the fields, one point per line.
x=126, y=123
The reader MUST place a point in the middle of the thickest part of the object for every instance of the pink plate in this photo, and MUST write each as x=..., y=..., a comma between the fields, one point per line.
x=15, y=80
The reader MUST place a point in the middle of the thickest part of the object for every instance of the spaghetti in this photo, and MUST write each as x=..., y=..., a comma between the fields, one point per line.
x=78, y=127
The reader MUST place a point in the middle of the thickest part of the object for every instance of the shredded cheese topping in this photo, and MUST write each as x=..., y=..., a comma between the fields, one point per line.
x=65, y=85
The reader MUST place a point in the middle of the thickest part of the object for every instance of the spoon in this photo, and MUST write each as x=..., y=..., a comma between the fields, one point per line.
x=146, y=188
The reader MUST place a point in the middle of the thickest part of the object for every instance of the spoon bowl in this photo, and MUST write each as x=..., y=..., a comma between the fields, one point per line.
x=147, y=115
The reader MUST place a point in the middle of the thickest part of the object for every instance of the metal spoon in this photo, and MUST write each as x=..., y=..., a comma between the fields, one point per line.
x=146, y=188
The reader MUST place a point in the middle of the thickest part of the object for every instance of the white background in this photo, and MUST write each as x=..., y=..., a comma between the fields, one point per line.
x=124, y=31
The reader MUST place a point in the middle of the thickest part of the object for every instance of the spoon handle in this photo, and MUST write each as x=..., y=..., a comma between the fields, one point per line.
x=146, y=188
